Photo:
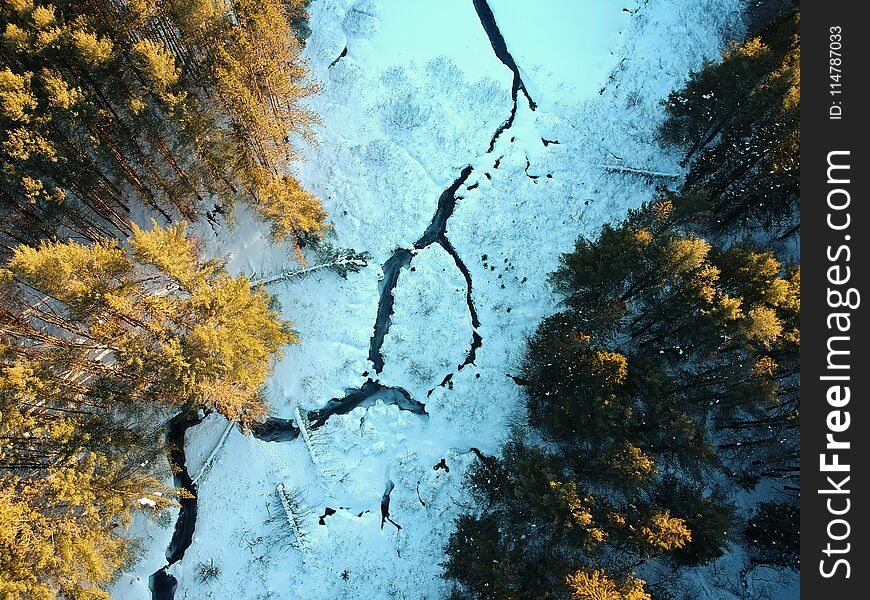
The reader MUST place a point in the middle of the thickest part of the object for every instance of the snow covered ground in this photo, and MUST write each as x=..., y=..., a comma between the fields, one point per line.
x=416, y=97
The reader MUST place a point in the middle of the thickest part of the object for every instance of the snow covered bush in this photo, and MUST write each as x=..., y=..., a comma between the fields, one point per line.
x=404, y=113
x=206, y=571
x=363, y=18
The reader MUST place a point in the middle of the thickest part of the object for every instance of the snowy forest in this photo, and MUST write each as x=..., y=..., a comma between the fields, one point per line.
x=454, y=299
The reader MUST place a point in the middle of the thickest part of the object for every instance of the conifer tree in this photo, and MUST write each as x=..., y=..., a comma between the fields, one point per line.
x=773, y=534
x=483, y=560
x=738, y=122
x=75, y=462
x=698, y=327
x=597, y=585
x=161, y=317
x=711, y=518
x=541, y=524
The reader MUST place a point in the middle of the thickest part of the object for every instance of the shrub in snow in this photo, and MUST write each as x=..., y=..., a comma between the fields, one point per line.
x=363, y=18
x=396, y=80
x=206, y=571
x=445, y=73
x=486, y=92
x=404, y=113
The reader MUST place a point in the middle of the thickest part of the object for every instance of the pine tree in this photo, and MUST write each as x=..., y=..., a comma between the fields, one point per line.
x=698, y=326
x=711, y=518
x=173, y=324
x=60, y=528
x=540, y=519
x=773, y=534
x=482, y=561
x=571, y=382
x=738, y=121
x=74, y=465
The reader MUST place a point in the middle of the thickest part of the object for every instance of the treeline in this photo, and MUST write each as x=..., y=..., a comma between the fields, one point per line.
x=110, y=108
x=186, y=106
x=670, y=378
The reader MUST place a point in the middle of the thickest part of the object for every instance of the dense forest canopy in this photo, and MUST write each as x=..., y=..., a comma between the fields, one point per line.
x=738, y=122
x=100, y=343
x=673, y=360
x=185, y=106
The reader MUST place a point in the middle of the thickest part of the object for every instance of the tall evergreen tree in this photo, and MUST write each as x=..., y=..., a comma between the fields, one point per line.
x=738, y=121
x=157, y=315
x=543, y=525
x=703, y=333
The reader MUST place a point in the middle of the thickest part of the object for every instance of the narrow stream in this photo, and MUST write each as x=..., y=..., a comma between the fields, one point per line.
x=275, y=429
x=366, y=395
x=400, y=259
x=435, y=233
x=499, y=46
x=161, y=583
x=385, y=506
